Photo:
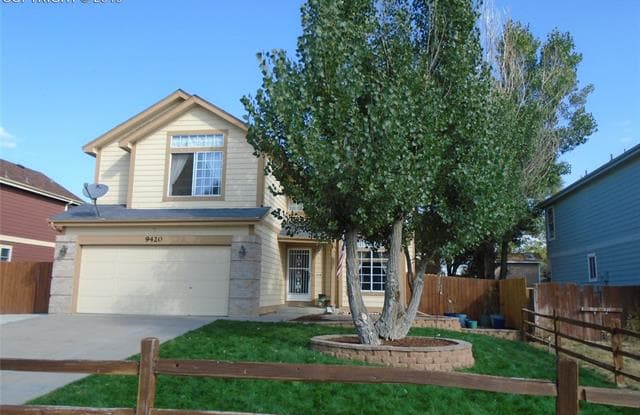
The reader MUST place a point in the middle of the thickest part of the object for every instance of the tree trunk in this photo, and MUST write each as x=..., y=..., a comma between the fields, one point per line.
x=504, y=256
x=489, y=260
x=393, y=310
x=365, y=329
x=403, y=325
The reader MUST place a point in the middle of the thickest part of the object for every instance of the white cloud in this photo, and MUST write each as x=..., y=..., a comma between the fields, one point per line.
x=624, y=123
x=7, y=140
x=625, y=140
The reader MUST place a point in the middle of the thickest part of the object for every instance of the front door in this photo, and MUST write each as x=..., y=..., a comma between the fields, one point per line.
x=299, y=274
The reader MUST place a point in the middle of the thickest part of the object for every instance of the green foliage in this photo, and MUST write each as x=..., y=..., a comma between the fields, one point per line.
x=265, y=342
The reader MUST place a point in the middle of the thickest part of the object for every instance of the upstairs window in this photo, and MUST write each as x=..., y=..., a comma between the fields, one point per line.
x=196, y=165
x=551, y=224
x=593, y=267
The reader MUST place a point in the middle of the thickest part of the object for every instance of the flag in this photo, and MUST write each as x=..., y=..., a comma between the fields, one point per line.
x=342, y=257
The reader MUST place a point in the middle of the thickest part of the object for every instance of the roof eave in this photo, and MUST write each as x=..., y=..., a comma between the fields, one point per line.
x=621, y=159
x=149, y=222
x=94, y=145
x=39, y=191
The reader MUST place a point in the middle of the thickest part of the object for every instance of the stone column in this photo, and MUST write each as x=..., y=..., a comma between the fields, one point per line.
x=64, y=264
x=244, y=275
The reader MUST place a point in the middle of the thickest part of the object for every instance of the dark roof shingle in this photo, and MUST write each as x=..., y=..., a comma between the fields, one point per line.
x=119, y=213
x=34, y=179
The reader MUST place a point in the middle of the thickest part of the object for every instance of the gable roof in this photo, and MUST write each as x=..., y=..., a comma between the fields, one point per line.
x=628, y=155
x=21, y=177
x=154, y=117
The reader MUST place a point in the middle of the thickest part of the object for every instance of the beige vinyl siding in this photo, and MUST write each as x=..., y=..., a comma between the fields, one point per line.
x=274, y=254
x=272, y=288
x=151, y=152
x=113, y=170
x=318, y=269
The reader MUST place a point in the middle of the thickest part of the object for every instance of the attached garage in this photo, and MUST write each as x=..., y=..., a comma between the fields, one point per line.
x=159, y=279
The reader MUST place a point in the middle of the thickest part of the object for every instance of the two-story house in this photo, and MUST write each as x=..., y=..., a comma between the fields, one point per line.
x=186, y=229
x=28, y=198
x=593, y=225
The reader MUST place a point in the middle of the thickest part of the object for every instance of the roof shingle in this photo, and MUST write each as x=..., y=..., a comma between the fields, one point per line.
x=34, y=179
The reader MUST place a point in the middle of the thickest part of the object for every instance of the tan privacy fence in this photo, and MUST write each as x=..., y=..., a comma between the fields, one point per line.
x=475, y=297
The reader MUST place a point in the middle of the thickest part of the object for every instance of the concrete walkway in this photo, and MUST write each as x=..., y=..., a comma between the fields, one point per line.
x=93, y=337
x=96, y=337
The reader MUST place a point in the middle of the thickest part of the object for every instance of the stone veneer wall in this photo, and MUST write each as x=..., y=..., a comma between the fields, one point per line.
x=438, y=322
x=244, y=275
x=64, y=262
x=440, y=358
x=506, y=334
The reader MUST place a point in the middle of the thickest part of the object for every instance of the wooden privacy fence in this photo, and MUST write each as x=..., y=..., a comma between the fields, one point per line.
x=602, y=305
x=558, y=331
x=24, y=287
x=566, y=389
x=475, y=297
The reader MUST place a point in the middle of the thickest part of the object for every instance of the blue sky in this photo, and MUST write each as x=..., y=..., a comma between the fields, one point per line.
x=71, y=71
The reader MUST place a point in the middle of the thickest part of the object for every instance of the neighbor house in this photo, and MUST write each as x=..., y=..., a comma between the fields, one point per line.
x=186, y=229
x=28, y=199
x=526, y=265
x=593, y=225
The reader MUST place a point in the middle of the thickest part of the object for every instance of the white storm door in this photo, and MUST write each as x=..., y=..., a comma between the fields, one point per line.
x=299, y=274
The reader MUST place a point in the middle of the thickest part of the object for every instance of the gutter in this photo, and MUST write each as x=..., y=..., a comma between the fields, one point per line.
x=621, y=159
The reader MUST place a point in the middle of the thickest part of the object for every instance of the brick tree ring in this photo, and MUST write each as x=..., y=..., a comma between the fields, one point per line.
x=414, y=352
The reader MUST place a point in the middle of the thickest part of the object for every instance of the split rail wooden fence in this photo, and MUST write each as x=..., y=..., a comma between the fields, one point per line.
x=558, y=332
x=566, y=389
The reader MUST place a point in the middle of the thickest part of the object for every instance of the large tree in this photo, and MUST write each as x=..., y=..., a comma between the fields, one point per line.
x=359, y=127
x=540, y=112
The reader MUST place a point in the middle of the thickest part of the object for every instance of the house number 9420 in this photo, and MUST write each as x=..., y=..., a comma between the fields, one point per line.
x=153, y=239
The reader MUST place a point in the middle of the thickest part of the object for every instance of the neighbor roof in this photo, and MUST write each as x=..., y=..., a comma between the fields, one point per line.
x=118, y=213
x=154, y=117
x=628, y=155
x=16, y=175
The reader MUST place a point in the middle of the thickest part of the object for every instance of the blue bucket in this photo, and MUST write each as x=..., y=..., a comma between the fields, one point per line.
x=497, y=321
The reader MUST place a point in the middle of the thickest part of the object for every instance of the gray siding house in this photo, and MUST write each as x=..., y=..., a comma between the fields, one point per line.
x=593, y=226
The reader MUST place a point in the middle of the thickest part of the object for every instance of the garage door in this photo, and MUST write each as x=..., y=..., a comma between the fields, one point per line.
x=171, y=280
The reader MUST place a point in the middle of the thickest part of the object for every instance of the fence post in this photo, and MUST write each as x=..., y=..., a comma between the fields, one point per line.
x=616, y=347
x=150, y=351
x=567, y=387
x=557, y=340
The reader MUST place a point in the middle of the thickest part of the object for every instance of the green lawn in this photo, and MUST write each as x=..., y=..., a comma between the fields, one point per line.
x=267, y=342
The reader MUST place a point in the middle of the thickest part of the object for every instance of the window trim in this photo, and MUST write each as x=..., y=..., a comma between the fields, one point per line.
x=370, y=251
x=595, y=267
x=550, y=211
x=166, y=197
x=10, y=248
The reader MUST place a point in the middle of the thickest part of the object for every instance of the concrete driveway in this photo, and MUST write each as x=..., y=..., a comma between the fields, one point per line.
x=76, y=337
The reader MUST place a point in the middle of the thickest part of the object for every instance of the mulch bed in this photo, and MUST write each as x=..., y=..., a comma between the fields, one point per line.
x=406, y=342
x=323, y=317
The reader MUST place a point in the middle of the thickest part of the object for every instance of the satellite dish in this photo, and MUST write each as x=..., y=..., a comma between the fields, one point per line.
x=94, y=191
